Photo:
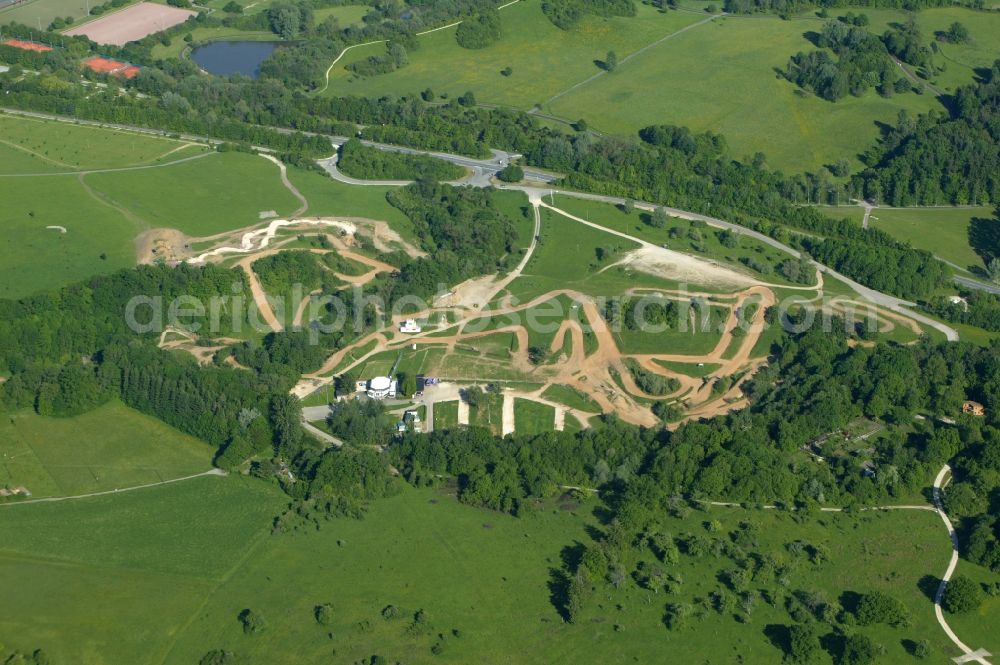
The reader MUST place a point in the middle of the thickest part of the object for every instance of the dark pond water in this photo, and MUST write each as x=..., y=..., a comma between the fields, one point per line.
x=225, y=58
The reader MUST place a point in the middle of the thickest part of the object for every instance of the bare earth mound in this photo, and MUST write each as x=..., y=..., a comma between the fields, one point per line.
x=679, y=267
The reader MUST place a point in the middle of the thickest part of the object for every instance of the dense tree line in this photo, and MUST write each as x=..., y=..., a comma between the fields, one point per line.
x=650, y=382
x=936, y=159
x=906, y=42
x=360, y=161
x=633, y=313
x=171, y=112
x=748, y=456
x=50, y=328
x=70, y=350
x=479, y=30
x=566, y=14
x=900, y=269
x=862, y=63
x=462, y=229
x=789, y=7
x=980, y=309
x=395, y=57
x=971, y=498
x=279, y=272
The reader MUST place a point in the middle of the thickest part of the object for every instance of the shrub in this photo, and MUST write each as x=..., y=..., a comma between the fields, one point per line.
x=962, y=595
x=511, y=173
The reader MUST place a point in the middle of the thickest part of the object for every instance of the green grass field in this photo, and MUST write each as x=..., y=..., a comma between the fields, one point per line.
x=346, y=14
x=445, y=415
x=544, y=58
x=328, y=197
x=698, y=339
x=720, y=77
x=532, y=417
x=30, y=145
x=104, y=449
x=942, y=231
x=98, y=237
x=566, y=257
x=746, y=102
x=962, y=60
x=515, y=205
x=34, y=258
x=41, y=12
x=159, y=576
x=708, y=247
x=571, y=398
x=202, y=197
x=103, y=212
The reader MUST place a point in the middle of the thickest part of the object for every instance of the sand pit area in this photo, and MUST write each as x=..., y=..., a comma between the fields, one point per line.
x=132, y=24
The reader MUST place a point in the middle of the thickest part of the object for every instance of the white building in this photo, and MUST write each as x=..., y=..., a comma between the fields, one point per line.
x=381, y=387
x=409, y=326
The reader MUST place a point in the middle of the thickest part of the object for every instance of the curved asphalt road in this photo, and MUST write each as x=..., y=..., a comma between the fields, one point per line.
x=484, y=169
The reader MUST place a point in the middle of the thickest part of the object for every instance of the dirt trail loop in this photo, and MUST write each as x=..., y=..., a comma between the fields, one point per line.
x=339, y=246
x=259, y=295
x=603, y=375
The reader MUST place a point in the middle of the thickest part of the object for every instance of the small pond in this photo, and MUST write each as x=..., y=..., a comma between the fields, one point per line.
x=225, y=58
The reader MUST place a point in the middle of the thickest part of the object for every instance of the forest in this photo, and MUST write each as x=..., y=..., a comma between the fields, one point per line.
x=565, y=14
x=978, y=308
x=935, y=159
x=68, y=351
x=862, y=63
x=747, y=456
x=462, y=229
x=479, y=30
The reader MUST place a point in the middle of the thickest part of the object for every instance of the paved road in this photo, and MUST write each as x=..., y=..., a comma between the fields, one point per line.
x=969, y=656
x=890, y=302
x=973, y=284
x=483, y=169
x=313, y=413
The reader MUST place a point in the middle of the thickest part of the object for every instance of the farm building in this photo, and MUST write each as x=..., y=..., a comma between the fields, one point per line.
x=973, y=408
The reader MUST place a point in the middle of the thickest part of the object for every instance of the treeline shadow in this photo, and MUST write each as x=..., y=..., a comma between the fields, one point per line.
x=984, y=236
